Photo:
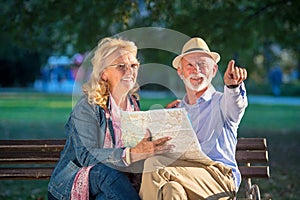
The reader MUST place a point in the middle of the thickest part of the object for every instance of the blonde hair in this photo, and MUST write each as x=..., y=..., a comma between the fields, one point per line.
x=97, y=89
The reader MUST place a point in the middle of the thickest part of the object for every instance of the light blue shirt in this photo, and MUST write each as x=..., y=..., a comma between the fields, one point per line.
x=215, y=118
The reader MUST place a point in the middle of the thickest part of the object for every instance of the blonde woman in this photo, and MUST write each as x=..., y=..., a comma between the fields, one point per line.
x=94, y=159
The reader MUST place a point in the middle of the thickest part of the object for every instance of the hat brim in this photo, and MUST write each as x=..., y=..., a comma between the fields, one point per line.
x=215, y=56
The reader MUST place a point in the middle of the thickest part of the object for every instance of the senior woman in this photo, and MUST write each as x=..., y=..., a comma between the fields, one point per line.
x=94, y=160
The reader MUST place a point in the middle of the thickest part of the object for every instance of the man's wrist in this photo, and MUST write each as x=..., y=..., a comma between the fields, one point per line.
x=232, y=86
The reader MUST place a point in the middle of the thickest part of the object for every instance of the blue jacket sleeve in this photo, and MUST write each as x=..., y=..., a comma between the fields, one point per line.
x=88, y=137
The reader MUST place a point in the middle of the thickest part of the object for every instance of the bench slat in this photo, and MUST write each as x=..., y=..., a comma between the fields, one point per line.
x=35, y=148
x=45, y=173
x=46, y=160
x=31, y=145
x=243, y=144
x=25, y=173
x=28, y=153
x=255, y=171
x=33, y=157
x=252, y=156
x=31, y=142
x=251, y=144
x=249, y=150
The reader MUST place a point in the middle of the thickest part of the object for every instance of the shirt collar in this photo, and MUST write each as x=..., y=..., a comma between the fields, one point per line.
x=207, y=95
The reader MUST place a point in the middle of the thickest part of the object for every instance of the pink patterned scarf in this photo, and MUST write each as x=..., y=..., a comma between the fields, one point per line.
x=80, y=188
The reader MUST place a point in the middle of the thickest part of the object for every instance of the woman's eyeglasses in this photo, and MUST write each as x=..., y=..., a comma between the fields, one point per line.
x=124, y=67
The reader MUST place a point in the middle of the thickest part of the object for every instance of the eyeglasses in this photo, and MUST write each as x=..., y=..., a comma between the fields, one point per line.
x=198, y=65
x=124, y=67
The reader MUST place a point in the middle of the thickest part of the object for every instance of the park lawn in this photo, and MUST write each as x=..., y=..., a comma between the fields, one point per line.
x=37, y=116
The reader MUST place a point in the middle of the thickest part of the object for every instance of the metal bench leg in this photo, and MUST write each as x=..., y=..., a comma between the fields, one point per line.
x=248, y=194
x=255, y=192
x=252, y=191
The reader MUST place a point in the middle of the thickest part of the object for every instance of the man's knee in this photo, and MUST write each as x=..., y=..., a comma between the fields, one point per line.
x=156, y=162
x=151, y=164
x=173, y=190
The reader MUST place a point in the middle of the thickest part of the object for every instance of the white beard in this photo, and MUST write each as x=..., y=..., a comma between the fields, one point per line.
x=197, y=86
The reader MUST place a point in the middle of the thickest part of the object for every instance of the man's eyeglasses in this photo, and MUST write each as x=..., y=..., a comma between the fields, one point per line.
x=124, y=67
x=199, y=65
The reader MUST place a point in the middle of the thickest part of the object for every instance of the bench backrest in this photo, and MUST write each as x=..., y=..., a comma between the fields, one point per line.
x=252, y=157
x=35, y=159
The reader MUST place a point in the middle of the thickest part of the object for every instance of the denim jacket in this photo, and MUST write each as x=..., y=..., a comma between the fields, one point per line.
x=85, y=134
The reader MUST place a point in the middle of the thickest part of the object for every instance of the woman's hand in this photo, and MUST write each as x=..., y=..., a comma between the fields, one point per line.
x=147, y=148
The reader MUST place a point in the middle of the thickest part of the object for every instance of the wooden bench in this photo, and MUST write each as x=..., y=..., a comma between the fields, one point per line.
x=252, y=158
x=35, y=159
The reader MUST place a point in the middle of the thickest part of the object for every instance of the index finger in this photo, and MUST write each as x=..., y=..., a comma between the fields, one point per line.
x=162, y=140
x=230, y=66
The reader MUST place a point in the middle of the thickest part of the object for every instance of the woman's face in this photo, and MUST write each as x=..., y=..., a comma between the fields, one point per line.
x=121, y=74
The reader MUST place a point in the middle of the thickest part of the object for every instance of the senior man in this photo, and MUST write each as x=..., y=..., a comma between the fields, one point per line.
x=215, y=117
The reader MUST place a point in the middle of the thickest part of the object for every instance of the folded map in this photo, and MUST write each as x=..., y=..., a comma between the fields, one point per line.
x=161, y=123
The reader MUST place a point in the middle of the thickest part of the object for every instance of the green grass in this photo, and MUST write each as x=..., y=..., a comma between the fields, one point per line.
x=35, y=115
x=282, y=118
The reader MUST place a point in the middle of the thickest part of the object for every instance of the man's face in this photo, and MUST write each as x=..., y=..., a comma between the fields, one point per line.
x=197, y=71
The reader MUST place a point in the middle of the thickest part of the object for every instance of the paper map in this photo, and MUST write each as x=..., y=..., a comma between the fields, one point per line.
x=162, y=123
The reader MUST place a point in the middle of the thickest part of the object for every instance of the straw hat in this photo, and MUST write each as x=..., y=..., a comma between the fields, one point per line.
x=195, y=45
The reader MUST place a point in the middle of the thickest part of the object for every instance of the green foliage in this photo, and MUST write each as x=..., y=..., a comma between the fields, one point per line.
x=55, y=24
x=236, y=29
x=287, y=89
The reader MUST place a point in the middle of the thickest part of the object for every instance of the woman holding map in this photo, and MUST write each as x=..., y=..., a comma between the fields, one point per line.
x=94, y=160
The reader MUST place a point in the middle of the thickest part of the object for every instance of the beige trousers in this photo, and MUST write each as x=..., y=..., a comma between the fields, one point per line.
x=164, y=178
